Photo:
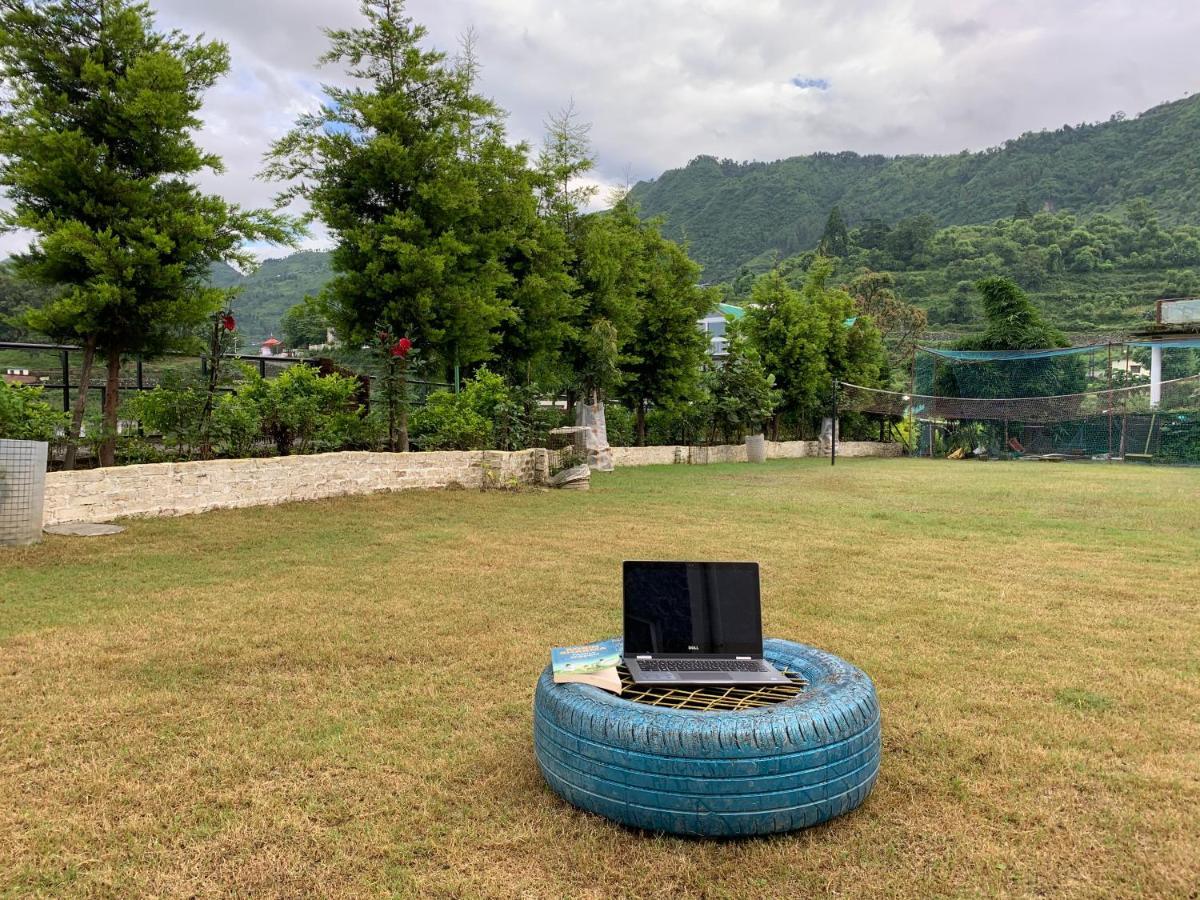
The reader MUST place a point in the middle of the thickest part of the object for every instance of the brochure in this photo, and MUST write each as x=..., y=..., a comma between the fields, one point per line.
x=594, y=664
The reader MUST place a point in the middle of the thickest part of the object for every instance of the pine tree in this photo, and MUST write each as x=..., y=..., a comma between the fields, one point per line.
x=97, y=148
x=431, y=210
x=609, y=269
x=835, y=241
x=666, y=349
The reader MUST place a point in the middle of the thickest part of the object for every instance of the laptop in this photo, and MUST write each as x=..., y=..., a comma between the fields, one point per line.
x=694, y=623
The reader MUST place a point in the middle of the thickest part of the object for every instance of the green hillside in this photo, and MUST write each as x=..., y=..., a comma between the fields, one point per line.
x=732, y=212
x=268, y=292
x=1097, y=275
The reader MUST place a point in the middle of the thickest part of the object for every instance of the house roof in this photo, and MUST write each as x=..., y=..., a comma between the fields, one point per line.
x=730, y=310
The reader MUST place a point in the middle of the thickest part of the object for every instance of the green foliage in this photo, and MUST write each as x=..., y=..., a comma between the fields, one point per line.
x=806, y=339
x=1012, y=324
x=900, y=324
x=610, y=272
x=742, y=395
x=97, y=156
x=267, y=293
x=303, y=411
x=732, y=212
x=410, y=171
x=305, y=324
x=488, y=414
x=1099, y=274
x=171, y=409
x=618, y=422
x=448, y=421
x=18, y=298
x=26, y=416
x=835, y=240
x=117, y=223
x=237, y=424
x=666, y=350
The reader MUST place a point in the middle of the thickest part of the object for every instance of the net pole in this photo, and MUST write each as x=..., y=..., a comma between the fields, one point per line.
x=912, y=392
x=833, y=429
x=1110, y=403
x=931, y=405
x=1125, y=406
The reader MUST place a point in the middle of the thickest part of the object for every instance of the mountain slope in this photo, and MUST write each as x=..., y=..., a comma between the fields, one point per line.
x=731, y=212
x=272, y=289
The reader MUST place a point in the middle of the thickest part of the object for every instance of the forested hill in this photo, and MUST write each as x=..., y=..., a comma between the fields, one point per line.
x=731, y=212
x=272, y=289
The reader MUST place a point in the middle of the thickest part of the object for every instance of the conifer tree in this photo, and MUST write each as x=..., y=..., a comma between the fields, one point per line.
x=97, y=151
x=433, y=213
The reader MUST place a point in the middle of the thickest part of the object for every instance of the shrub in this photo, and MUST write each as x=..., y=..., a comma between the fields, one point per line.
x=618, y=421
x=304, y=411
x=447, y=422
x=236, y=424
x=172, y=409
x=26, y=416
x=487, y=414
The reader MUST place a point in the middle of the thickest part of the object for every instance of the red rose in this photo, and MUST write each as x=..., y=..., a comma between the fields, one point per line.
x=401, y=347
x=227, y=322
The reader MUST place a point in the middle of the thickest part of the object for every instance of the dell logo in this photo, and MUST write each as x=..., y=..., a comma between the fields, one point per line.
x=693, y=647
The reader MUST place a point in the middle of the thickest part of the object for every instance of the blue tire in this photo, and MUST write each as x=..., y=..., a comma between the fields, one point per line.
x=715, y=774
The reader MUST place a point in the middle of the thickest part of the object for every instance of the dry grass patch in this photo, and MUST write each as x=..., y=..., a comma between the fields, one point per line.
x=334, y=698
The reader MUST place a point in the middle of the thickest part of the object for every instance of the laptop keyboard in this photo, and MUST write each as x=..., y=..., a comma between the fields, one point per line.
x=700, y=665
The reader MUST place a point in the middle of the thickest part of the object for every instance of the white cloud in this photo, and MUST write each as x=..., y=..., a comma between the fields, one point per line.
x=665, y=80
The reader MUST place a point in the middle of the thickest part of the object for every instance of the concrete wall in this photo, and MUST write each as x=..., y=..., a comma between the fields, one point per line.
x=174, y=489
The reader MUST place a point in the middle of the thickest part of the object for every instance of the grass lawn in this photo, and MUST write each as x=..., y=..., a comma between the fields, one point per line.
x=334, y=697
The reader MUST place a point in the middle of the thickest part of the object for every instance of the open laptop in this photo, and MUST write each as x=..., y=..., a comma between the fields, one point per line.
x=694, y=623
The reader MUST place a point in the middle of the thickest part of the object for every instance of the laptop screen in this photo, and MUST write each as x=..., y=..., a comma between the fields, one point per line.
x=692, y=607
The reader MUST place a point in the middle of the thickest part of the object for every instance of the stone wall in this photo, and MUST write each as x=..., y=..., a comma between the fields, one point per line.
x=868, y=448
x=174, y=489
x=654, y=456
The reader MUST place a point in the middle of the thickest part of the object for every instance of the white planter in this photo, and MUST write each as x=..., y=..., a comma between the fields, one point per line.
x=22, y=491
x=756, y=448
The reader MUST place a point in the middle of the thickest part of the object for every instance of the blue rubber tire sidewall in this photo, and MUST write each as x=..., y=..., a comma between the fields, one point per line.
x=715, y=774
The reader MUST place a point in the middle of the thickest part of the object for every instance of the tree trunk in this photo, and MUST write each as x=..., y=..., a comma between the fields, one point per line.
x=641, y=423
x=85, y=378
x=570, y=401
x=112, y=399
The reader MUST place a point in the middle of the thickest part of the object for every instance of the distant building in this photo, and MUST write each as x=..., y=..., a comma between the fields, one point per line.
x=714, y=325
x=1131, y=367
x=270, y=347
x=20, y=376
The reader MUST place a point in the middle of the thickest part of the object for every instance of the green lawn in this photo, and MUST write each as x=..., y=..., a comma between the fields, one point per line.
x=334, y=698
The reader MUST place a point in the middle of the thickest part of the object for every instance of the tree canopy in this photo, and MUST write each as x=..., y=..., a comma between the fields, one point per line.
x=97, y=155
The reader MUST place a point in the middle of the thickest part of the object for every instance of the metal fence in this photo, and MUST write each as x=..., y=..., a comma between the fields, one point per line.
x=56, y=368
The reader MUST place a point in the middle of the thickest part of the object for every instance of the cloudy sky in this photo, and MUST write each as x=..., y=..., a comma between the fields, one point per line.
x=665, y=80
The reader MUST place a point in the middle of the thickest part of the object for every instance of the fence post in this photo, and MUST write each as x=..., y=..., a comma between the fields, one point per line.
x=66, y=376
x=141, y=386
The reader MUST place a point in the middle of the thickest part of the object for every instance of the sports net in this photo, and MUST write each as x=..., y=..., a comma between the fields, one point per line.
x=1092, y=402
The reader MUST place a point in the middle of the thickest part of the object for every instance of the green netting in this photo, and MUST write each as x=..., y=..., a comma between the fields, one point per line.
x=1090, y=402
x=1008, y=355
